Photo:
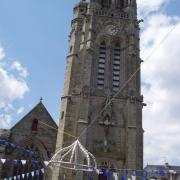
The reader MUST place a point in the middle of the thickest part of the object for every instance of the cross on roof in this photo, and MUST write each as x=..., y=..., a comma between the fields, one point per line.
x=41, y=99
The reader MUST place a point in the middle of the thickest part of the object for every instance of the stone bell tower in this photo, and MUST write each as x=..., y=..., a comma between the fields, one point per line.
x=98, y=92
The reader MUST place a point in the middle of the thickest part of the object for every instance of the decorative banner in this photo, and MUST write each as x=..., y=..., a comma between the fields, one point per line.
x=15, y=147
x=15, y=162
x=162, y=173
x=145, y=173
x=46, y=163
x=42, y=170
x=3, y=160
x=37, y=172
x=134, y=174
x=115, y=175
x=45, y=170
x=27, y=174
x=98, y=171
x=35, y=162
x=23, y=162
x=32, y=173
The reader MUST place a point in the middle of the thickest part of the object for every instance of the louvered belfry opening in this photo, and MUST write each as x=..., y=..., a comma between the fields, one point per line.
x=116, y=67
x=101, y=65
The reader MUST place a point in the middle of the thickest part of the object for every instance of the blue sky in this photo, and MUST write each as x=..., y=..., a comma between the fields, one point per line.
x=36, y=34
x=33, y=47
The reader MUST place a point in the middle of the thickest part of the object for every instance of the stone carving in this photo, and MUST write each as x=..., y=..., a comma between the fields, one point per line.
x=106, y=121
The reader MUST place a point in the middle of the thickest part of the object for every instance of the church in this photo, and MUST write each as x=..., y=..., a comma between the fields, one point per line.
x=36, y=132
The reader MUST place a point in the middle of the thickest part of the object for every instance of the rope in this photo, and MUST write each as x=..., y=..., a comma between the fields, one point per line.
x=63, y=132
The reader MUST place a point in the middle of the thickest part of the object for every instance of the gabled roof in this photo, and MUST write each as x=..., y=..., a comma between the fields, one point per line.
x=39, y=107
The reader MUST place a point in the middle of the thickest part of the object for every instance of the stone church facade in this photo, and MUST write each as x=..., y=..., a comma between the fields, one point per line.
x=36, y=131
x=100, y=93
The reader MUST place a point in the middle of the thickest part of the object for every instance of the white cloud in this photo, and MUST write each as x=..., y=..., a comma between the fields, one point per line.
x=17, y=66
x=20, y=110
x=12, y=87
x=161, y=79
x=2, y=53
x=145, y=6
x=5, y=120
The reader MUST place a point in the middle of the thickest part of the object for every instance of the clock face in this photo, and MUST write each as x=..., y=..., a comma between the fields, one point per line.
x=111, y=30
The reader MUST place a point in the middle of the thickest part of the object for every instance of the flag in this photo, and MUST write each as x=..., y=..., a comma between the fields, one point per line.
x=46, y=163
x=3, y=160
x=32, y=173
x=107, y=174
x=98, y=171
x=145, y=173
x=15, y=162
x=134, y=174
x=162, y=173
x=123, y=177
x=12, y=146
x=23, y=162
x=133, y=177
x=115, y=175
x=34, y=162
x=42, y=170
x=2, y=142
x=37, y=172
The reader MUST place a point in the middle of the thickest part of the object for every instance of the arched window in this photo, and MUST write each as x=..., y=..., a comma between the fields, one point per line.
x=116, y=67
x=101, y=65
x=34, y=126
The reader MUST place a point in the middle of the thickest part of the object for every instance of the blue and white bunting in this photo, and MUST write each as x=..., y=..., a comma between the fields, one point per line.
x=15, y=147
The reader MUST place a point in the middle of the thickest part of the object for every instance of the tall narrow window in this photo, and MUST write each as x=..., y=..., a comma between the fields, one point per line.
x=34, y=126
x=116, y=68
x=101, y=65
